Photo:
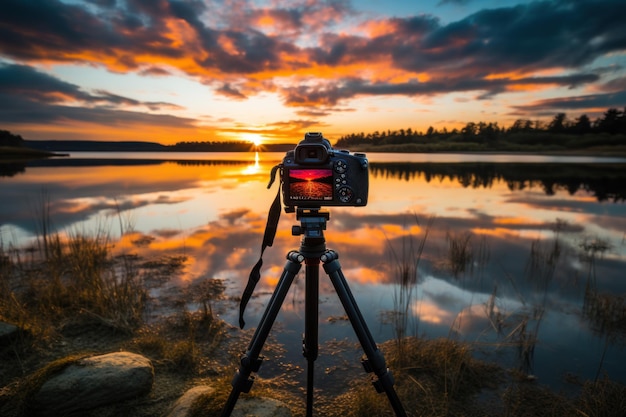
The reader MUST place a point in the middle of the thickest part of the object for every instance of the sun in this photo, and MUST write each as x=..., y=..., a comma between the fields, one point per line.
x=254, y=138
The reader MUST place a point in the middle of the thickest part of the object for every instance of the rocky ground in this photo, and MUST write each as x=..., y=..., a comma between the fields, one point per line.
x=174, y=363
x=92, y=370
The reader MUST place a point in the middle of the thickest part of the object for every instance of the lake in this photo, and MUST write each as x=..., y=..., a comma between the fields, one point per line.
x=523, y=256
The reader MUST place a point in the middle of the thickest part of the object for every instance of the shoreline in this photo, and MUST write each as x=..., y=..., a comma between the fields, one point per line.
x=16, y=153
x=12, y=153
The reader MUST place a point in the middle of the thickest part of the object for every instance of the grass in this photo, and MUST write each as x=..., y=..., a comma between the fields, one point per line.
x=602, y=398
x=180, y=342
x=77, y=278
x=443, y=376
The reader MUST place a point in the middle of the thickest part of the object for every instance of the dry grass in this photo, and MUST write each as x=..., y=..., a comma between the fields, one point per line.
x=602, y=398
x=75, y=279
x=71, y=293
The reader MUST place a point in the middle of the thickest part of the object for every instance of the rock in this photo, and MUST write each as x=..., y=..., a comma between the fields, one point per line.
x=245, y=407
x=260, y=407
x=183, y=405
x=8, y=333
x=93, y=382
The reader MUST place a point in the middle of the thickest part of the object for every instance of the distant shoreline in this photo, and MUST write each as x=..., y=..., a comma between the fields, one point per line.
x=13, y=153
x=61, y=148
x=135, y=146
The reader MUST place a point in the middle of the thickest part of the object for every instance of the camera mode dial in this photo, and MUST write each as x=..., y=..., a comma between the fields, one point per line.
x=345, y=194
x=341, y=166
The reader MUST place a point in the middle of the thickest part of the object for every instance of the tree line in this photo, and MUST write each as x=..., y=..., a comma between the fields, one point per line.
x=9, y=139
x=612, y=122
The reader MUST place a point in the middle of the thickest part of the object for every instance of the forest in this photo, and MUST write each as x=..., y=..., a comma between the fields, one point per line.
x=560, y=133
x=9, y=139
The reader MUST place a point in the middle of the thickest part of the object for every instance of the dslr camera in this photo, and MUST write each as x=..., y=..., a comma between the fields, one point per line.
x=316, y=175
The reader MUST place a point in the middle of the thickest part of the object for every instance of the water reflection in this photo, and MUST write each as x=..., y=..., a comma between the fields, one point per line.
x=603, y=181
x=504, y=254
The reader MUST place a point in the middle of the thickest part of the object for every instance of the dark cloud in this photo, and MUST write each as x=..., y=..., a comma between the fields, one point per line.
x=533, y=36
x=530, y=37
x=109, y=98
x=332, y=94
x=103, y=3
x=591, y=101
x=24, y=81
x=223, y=45
x=461, y=56
x=50, y=29
x=30, y=96
x=17, y=110
x=155, y=71
x=615, y=85
x=230, y=91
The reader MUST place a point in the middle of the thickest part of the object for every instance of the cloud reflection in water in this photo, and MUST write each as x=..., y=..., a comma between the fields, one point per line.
x=214, y=212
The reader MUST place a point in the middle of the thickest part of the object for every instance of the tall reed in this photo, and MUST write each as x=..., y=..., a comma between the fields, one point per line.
x=460, y=254
x=405, y=270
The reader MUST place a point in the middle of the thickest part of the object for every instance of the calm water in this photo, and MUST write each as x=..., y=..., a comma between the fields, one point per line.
x=538, y=244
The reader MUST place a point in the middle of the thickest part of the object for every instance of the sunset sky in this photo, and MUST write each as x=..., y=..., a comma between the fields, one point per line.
x=204, y=70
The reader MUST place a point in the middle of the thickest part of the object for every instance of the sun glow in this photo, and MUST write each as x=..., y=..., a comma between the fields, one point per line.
x=255, y=138
x=255, y=168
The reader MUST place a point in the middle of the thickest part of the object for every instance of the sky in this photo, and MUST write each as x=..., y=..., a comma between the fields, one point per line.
x=216, y=70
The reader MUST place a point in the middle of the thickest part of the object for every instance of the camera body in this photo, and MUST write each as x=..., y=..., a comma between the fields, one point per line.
x=316, y=175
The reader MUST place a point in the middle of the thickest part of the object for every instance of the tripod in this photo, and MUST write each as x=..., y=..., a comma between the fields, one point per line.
x=312, y=251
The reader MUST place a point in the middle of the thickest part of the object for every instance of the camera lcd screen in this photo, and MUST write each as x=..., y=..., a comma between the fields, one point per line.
x=311, y=184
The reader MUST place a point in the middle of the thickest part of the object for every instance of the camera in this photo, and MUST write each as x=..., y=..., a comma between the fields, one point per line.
x=315, y=175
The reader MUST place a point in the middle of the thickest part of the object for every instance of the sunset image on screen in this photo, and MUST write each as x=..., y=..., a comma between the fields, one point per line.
x=311, y=184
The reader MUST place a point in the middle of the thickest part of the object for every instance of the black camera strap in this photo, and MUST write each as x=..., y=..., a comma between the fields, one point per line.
x=268, y=240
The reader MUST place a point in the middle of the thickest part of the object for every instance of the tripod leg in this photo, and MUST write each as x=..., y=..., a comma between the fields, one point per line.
x=310, y=345
x=251, y=360
x=375, y=359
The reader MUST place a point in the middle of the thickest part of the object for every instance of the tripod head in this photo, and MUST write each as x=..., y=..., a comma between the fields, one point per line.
x=312, y=226
x=312, y=222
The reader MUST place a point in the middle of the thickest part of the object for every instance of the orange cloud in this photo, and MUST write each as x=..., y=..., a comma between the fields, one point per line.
x=430, y=312
x=377, y=28
x=364, y=275
x=497, y=232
